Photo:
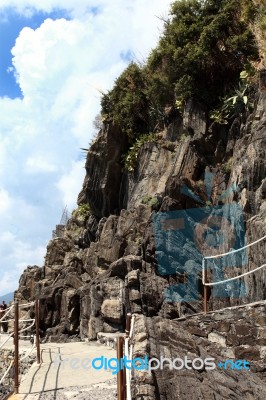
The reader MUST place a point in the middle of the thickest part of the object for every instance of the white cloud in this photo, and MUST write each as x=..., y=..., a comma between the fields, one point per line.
x=38, y=163
x=71, y=183
x=6, y=283
x=139, y=9
x=20, y=255
x=4, y=200
x=7, y=237
x=60, y=67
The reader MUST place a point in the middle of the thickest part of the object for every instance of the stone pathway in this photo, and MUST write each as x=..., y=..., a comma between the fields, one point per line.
x=100, y=391
x=70, y=378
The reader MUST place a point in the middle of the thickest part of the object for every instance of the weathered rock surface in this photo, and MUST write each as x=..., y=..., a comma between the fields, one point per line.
x=107, y=265
x=231, y=335
x=101, y=187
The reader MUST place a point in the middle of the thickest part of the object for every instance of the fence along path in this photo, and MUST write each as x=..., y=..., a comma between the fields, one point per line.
x=125, y=349
x=16, y=334
x=125, y=346
x=204, y=271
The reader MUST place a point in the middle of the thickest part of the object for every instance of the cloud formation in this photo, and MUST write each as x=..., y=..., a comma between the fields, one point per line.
x=60, y=68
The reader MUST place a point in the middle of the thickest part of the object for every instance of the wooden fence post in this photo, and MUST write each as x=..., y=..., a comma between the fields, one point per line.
x=120, y=375
x=16, y=344
x=37, y=325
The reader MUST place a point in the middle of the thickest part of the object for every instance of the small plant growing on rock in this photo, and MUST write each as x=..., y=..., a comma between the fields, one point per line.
x=149, y=200
x=130, y=158
x=237, y=104
x=180, y=104
x=82, y=212
x=228, y=166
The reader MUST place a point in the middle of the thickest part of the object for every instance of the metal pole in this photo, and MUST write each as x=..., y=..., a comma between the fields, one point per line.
x=16, y=343
x=120, y=375
x=128, y=324
x=205, y=293
x=37, y=325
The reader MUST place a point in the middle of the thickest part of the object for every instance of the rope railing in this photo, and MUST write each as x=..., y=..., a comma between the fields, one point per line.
x=30, y=351
x=7, y=339
x=235, y=251
x=7, y=311
x=235, y=277
x=20, y=320
x=26, y=305
x=7, y=320
x=7, y=371
x=27, y=327
x=26, y=320
x=16, y=335
x=21, y=359
x=204, y=272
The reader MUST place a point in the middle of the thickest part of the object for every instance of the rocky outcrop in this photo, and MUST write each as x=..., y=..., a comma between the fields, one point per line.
x=115, y=261
x=226, y=336
x=101, y=188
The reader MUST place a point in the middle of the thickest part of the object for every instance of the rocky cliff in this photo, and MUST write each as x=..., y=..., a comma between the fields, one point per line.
x=105, y=265
x=142, y=235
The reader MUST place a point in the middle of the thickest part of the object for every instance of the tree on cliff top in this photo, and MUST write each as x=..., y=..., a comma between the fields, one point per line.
x=204, y=47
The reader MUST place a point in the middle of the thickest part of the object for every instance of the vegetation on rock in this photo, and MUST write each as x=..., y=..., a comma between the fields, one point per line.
x=203, y=49
x=240, y=101
x=82, y=212
x=130, y=158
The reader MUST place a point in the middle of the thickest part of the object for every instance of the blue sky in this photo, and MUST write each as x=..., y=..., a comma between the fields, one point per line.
x=55, y=58
x=11, y=23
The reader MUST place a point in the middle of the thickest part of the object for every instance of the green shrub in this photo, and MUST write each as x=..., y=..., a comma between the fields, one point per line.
x=130, y=158
x=239, y=102
x=204, y=47
x=82, y=212
x=126, y=104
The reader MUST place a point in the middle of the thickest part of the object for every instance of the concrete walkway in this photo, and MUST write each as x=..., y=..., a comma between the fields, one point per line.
x=66, y=373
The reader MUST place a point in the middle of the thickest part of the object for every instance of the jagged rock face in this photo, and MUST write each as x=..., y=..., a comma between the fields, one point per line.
x=109, y=264
x=235, y=334
x=31, y=283
x=101, y=187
